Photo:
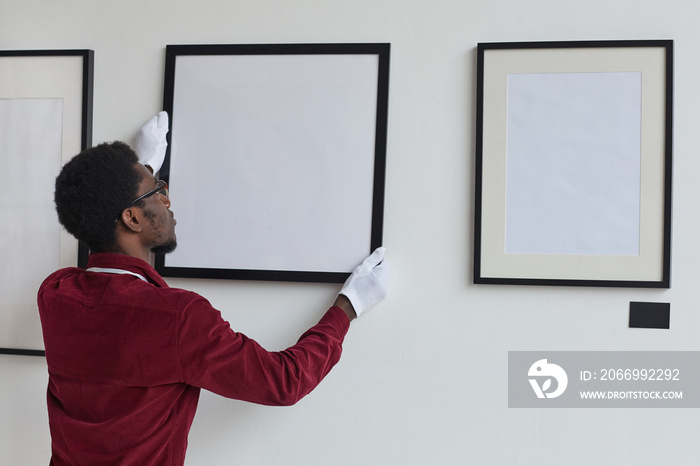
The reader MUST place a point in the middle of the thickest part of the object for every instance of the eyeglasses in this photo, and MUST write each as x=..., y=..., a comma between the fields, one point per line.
x=161, y=188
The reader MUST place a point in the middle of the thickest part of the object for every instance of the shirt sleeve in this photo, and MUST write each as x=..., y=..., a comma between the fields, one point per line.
x=214, y=357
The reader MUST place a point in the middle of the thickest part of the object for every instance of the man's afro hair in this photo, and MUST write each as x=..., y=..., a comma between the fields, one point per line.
x=91, y=191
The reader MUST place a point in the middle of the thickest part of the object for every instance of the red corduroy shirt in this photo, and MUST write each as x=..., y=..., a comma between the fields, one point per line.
x=127, y=359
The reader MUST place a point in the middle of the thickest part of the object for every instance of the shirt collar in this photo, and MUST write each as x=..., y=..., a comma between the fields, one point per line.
x=129, y=263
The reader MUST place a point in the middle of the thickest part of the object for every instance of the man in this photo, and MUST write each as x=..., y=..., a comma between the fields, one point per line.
x=127, y=355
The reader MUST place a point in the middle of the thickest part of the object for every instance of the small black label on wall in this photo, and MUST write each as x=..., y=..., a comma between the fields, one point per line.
x=650, y=315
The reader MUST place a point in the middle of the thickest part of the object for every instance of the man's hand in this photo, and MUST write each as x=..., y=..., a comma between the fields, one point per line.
x=369, y=282
x=151, y=143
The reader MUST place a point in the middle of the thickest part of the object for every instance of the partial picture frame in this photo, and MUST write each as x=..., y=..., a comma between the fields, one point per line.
x=276, y=159
x=573, y=165
x=45, y=119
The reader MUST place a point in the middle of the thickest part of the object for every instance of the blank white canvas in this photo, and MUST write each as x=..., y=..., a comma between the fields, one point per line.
x=30, y=158
x=573, y=163
x=272, y=161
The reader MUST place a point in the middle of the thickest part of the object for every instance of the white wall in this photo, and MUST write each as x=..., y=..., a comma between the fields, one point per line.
x=423, y=376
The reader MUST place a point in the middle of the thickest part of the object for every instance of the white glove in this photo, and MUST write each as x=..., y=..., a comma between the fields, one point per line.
x=151, y=142
x=369, y=282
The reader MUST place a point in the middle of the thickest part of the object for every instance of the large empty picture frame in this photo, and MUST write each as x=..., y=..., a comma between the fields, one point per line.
x=276, y=159
x=573, y=163
x=45, y=119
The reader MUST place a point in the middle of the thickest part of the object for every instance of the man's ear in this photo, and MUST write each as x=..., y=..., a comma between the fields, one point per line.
x=131, y=219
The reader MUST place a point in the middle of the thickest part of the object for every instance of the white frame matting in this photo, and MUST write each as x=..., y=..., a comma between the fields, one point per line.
x=45, y=119
x=573, y=182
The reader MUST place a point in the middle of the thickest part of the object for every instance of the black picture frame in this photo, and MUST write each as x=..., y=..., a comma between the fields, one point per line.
x=66, y=75
x=497, y=64
x=280, y=70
